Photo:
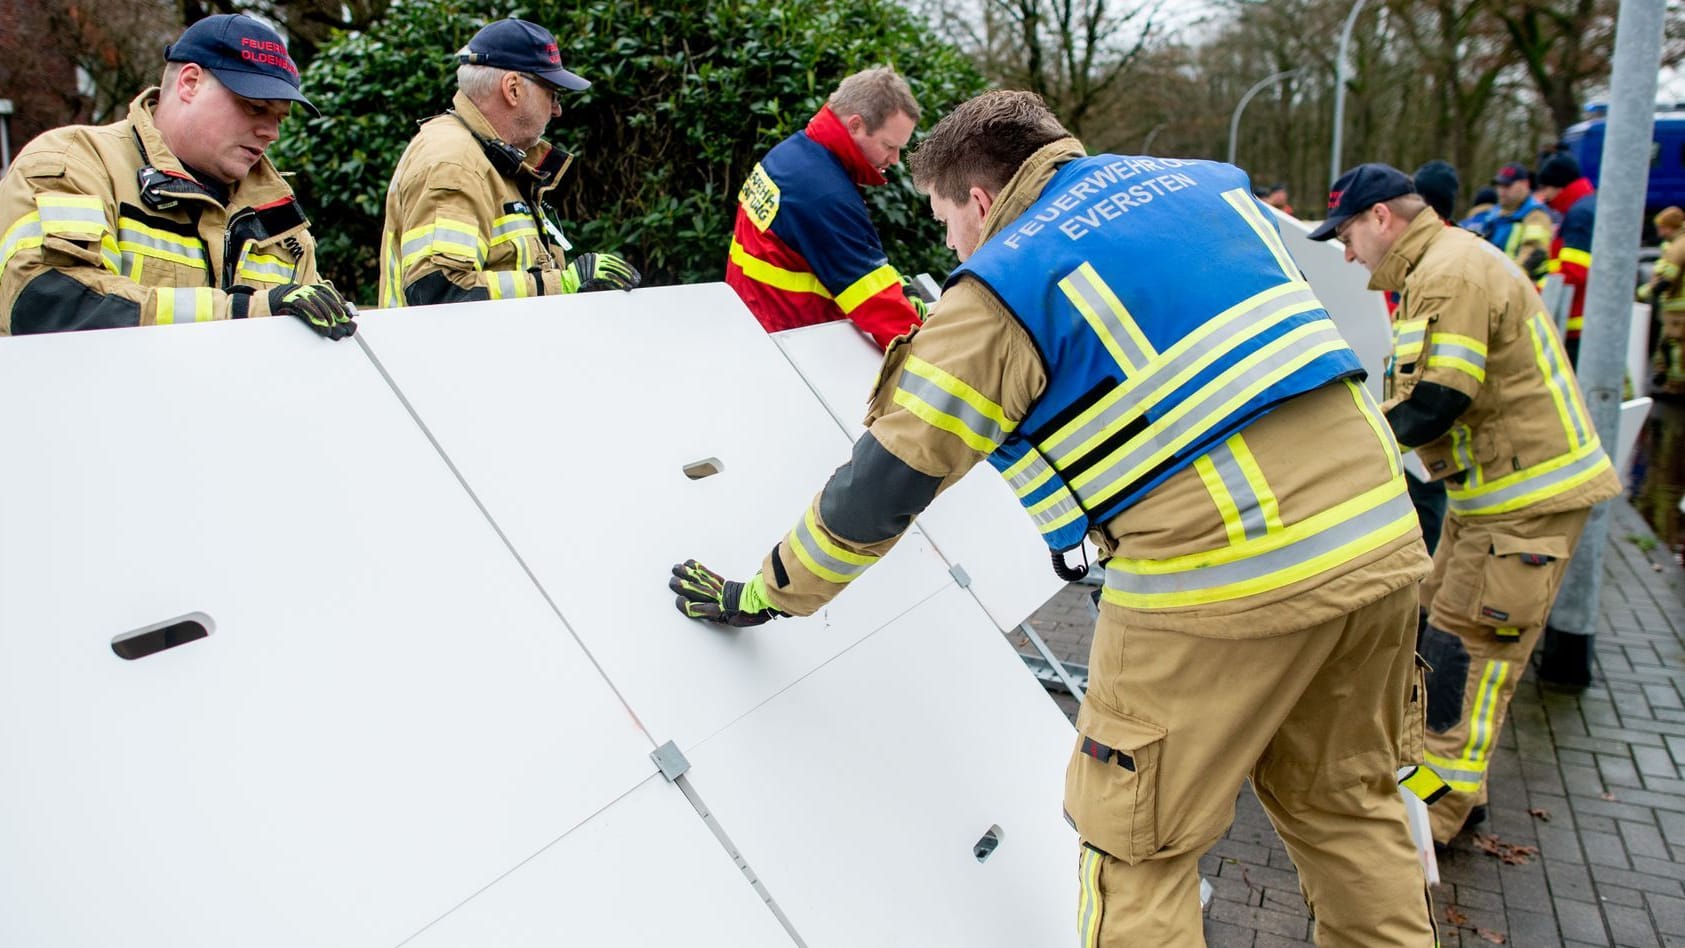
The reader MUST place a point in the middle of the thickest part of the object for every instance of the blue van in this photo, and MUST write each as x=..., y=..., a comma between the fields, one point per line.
x=1667, y=155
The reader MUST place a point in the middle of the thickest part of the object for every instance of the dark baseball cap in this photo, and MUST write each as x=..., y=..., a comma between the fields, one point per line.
x=1360, y=189
x=244, y=54
x=1558, y=171
x=1511, y=173
x=521, y=47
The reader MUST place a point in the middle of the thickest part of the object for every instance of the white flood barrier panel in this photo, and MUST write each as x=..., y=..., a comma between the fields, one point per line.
x=977, y=523
x=386, y=715
x=646, y=871
x=1343, y=288
x=574, y=420
x=865, y=817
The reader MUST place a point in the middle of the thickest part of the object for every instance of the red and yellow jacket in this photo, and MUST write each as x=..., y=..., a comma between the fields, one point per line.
x=803, y=250
x=1570, y=250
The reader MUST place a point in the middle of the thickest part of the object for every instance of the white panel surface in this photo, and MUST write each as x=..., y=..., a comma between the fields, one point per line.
x=646, y=871
x=387, y=717
x=977, y=523
x=858, y=794
x=573, y=417
x=1343, y=288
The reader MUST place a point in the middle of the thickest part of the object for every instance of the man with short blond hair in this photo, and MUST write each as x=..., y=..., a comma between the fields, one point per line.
x=803, y=249
x=174, y=214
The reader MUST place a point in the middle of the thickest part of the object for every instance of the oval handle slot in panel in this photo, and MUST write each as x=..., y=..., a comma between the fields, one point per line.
x=989, y=842
x=707, y=467
x=159, y=636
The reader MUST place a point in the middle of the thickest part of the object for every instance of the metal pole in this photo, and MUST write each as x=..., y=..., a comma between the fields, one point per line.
x=1234, y=120
x=1147, y=146
x=1340, y=89
x=5, y=135
x=1566, y=658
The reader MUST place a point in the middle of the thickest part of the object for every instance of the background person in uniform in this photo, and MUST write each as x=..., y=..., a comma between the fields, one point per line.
x=1436, y=181
x=1666, y=295
x=1570, y=194
x=1130, y=344
x=803, y=249
x=173, y=215
x=1481, y=211
x=465, y=215
x=1522, y=225
x=1483, y=392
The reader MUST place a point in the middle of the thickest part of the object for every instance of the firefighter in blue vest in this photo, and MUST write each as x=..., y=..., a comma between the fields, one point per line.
x=1521, y=225
x=1129, y=343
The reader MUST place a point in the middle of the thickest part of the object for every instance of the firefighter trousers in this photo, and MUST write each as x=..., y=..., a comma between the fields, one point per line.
x=1494, y=579
x=1319, y=719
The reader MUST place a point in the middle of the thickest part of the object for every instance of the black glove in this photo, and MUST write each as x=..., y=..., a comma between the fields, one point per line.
x=599, y=271
x=704, y=595
x=318, y=305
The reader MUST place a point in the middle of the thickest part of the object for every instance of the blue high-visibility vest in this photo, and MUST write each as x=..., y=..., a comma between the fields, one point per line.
x=1168, y=314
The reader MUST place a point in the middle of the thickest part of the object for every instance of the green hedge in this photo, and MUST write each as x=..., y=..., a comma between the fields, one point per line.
x=684, y=100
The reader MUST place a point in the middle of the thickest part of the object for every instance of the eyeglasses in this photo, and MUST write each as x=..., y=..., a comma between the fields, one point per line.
x=555, y=93
x=1345, y=226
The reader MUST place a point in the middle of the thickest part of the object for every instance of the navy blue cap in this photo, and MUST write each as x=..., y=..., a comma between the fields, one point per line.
x=244, y=54
x=1558, y=171
x=521, y=47
x=1511, y=173
x=1360, y=189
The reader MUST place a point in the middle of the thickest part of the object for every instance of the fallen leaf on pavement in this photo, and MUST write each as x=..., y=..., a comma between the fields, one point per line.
x=1487, y=934
x=1455, y=916
x=1539, y=813
x=1608, y=795
x=1512, y=854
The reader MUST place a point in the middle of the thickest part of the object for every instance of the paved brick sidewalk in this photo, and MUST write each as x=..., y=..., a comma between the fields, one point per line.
x=1595, y=781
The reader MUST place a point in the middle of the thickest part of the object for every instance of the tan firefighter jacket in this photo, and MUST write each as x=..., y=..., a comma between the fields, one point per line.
x=1667, y=285
x=1340, y=531
x=457, y=228
x=81, y=246
x=1469, y=320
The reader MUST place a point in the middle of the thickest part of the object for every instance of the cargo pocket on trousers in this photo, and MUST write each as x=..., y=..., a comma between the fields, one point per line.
x=889, y=376
x=1515, y=580
x=1111, y=785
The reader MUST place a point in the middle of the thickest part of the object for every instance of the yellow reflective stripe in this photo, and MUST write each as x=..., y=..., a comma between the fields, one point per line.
x=24, y=234
x=1465, y=354
x=1552, y=361
x=1424, y=784
x=508, y=284
x=1407, y=339
x=943, y=401
x=109, y=255
x=1534, y=234
x=1576, y=323
x=1377, y=423
x=823, y=558
x=776, y=277
x=1249, y=469
x=1346, y=531
x=1571, y=255
x=266, y=268
x=192, y=305
x=1055, y=510
x=72, y=214
x=1466, y=772
x=1025, y=477
x=1088, y=905
x=1109, y=318
x=1530, y=485
x=511, y=226
x=446, y=237
x=1462, y=451
x=1247, y=206
x=1183, y=361
x=390, y=276
x=136, y=239
x=1222, y=498
x=867, y=287
x=1027, y=473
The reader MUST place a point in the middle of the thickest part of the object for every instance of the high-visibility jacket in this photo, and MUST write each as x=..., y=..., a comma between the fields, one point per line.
x=1297, y=517
x=1666, y=284
x=1470, y=321
x=803, y=248
x=458, y=228
x=1570, y=249
x=1523, y=231
x=1148, y=367
x=83, y=247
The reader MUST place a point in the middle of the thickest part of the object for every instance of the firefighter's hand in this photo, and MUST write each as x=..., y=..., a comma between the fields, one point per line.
x=317, y=305
x=703, y=594
x=919, y=305
x=599, y=271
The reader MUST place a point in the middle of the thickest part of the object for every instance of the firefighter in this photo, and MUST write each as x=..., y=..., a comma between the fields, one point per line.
x=1129, y=343
x=803, y=250
x=174, y=214
x=1666, y=295
x=1521, y=226
x=1482, y=390
x=465, y=214
x=1569, y=193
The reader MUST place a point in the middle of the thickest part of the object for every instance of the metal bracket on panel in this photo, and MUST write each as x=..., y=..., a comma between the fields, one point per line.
x=671, y=760
x=960, y=575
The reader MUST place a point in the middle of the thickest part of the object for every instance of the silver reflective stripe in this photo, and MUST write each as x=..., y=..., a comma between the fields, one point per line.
x=1497, y=497
x=1203, y=410
x=517, y=227
x=18, y=235
x=281, y=271
x=1081, y=281
x=1465, y=781
x=56, y=213
x=1461, y=451
x=1264, y=564
x=1144, y=389
x=1056, y=513
x=1558, y=379
x=1410, y=337
x=1252, y=522
x=503, y=284
x=181, y=248
x=810, y=543
x=949, y=404
x=1485, y=712
x=1031, y=473
x=1451, y=350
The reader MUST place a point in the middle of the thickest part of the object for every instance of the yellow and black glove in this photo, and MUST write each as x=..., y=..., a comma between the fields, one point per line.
x=705, y=595
x=599, y=271
x=317, y=305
